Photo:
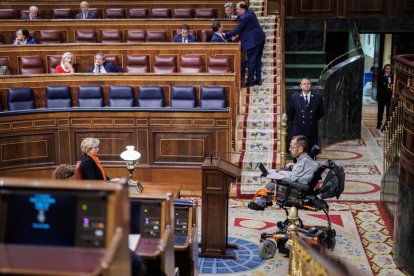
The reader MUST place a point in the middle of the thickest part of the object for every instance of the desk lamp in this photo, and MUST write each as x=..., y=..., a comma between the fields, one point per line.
x=131, y=156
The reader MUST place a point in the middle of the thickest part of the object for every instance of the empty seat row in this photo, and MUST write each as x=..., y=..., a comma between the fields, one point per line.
x=163, y=64
x=211, y=97
x=117, y=13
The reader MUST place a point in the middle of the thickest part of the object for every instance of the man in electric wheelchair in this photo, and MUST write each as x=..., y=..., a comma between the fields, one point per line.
x=299, y=189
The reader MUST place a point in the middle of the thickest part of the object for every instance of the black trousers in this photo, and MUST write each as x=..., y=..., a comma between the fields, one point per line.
x=384, y=102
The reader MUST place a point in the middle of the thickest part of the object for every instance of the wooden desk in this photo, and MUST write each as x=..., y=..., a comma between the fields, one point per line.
x=157, y=189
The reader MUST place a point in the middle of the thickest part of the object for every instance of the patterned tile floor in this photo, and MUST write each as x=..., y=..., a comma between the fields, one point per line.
x=364, y=232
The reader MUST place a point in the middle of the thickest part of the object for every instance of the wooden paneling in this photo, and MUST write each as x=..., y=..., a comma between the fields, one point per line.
x=84, y=54
x=184, y=146
x=351, y=8
x=46, y=7
x=68, y=28
x=27, y=149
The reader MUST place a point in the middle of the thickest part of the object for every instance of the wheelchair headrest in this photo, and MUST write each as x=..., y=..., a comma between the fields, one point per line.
x=315, y=150
x=334, y=183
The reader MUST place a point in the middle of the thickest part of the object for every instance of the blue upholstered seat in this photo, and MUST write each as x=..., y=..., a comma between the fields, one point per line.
x=212, y=97
x=183, y=97
x=150, y=96
x=20, y=99
x=121, y=96
x=90, y=96
x=58, y=96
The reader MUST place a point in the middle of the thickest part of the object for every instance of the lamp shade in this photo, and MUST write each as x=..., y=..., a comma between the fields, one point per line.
x=130, y=154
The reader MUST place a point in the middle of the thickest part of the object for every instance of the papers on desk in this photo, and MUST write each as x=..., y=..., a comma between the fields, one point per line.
x=133, y=240
x=278, y=175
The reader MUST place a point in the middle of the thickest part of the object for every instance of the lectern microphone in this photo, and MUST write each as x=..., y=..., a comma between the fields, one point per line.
x=219, y=152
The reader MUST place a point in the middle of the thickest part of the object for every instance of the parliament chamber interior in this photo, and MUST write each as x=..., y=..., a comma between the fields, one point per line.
x=190, y=143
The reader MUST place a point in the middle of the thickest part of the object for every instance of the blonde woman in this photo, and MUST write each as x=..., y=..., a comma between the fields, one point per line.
x=66, y=64
x=91, y=167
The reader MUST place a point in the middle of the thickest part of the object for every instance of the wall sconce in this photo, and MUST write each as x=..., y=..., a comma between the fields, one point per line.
x=131, y=156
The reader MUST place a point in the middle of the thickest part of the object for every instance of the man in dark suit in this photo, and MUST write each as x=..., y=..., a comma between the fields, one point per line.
x=252, y=42
x=384, y=94
x=101, y=66
x=184, y=36
x=218, y=34
x=305, y=109
x=33, y=14
x=85, y=13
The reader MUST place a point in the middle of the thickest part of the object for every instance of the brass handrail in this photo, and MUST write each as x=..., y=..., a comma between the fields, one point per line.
x=338, y=57
x=283, y=126
x=393, y=135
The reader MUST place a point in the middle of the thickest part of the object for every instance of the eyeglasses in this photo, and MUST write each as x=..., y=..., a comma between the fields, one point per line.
x=293, y=147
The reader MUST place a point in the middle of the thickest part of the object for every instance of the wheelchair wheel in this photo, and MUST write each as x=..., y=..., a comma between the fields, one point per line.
x=267, y=249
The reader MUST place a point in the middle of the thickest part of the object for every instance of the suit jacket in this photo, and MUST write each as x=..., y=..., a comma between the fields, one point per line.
x=250, y=31
x=27, y=17
x=91, y=15
x=305, y=118
x=109, y=68
x=90, y=170
x=384, y=94
x=179, y=38
x=218, y=38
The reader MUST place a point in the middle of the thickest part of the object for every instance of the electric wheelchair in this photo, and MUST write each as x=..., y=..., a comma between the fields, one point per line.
x=286, y=194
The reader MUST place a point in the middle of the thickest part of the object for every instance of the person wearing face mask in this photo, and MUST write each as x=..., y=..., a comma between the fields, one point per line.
x=184, y=36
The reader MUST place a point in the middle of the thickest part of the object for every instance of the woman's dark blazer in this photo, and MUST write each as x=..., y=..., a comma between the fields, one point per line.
x=90, y=170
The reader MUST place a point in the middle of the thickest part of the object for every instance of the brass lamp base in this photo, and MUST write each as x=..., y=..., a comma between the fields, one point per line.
x=135, y=185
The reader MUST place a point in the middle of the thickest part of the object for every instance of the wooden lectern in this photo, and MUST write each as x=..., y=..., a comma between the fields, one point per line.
x=217, y=176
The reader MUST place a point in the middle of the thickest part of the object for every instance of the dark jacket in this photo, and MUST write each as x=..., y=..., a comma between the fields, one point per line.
x=91, y=15
x=89, y=169
x=27, y=17
x=179, y=38
x=384, y=93
x=109, y=68
x=217, y=38
x=29, y=41
x=250, y=31
x=305, y=118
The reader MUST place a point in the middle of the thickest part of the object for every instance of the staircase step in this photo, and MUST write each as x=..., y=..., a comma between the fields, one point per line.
x=300, y=70
x=305, y=57
x=294, y=82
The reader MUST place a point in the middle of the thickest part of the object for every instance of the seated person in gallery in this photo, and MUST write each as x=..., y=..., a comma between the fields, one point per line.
x=102, y=66
x=33, y=14
x=63, y=172
x=23, y=37
x=66, y=64
x=91, y=167
x=85, y=12
x=184, y=36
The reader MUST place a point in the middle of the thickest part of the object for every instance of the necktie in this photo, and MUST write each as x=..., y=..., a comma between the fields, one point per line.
x=99, y=69
x=84, y=16
x=306, y=100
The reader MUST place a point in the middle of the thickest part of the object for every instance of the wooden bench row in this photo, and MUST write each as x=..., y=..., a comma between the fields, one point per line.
x=46, y=7
x=68, y=30
x=84, y=54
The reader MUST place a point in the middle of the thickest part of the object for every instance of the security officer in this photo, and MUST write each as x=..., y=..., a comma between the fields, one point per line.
x=305, y=109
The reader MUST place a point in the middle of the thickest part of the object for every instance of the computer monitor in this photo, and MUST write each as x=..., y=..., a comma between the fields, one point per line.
x=53, y=217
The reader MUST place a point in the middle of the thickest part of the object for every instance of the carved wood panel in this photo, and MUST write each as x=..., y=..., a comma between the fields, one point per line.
x=28, y=149
x=191, y=147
